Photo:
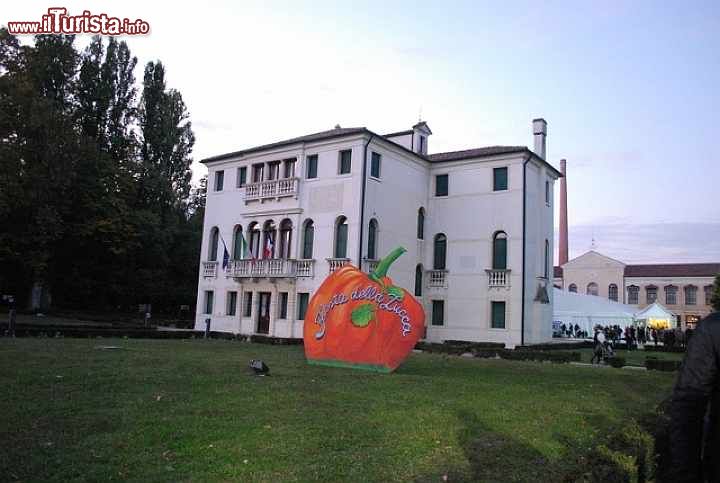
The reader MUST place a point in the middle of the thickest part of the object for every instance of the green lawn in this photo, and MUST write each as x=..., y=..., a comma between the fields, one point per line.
x=635, y=357
x=187, y=410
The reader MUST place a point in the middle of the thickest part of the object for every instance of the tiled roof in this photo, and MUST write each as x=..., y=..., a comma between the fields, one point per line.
x=476, y=153
x=673, y=270
x=318, y=136
x=558, y=272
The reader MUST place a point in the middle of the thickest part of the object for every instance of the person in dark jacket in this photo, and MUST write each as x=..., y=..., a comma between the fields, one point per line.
x=695, y=408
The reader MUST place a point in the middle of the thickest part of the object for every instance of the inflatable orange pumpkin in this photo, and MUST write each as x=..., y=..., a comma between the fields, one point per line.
x=362, y=320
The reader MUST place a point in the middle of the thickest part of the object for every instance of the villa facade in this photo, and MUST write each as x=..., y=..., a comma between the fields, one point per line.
x=477, y=225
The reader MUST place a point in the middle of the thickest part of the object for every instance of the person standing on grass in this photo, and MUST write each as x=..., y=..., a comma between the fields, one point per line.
x=599, y=347
x=695, y=408
x=12, y=314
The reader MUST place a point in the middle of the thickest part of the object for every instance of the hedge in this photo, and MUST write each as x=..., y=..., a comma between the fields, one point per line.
x=558, y=346
x=655, y=364
x=616, y=362
x=664, y=348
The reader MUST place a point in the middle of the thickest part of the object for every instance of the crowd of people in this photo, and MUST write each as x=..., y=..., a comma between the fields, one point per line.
x=631, y=335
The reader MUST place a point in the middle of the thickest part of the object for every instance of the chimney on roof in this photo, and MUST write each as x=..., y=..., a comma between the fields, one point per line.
x=563, y=242
x=337, y=126
x=540, y=136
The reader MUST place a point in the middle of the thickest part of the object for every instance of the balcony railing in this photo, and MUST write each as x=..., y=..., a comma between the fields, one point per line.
x=498, y=278
x=337, y=263
x=437, y=278
x=369, y=265
x=277, y=189
x=210, y=269
x=271, y=267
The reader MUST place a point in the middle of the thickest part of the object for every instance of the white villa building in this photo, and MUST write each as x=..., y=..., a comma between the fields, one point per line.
x=477, y=225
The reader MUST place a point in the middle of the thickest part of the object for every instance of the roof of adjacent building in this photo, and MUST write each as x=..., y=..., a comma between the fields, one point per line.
x=399, y=133
x=673, y=270
x=475, y=153
x=348, y=131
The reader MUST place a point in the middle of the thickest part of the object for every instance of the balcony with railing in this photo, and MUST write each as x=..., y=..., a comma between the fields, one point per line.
x=436, y=278
x=498, y=278
x=337, y=263
x=369, y=265
x=273, y=189
x=209, y=269
x=270, y=268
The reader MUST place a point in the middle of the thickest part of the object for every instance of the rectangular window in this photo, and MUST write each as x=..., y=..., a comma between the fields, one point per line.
x=441, y=185
x=375, y=165
x=671, y=295
x=257, y=173
x=633, y=295
x=273, y=170
x=289, y=168
x=498, y=315
x=708, y=294
x=500, y=179
x=438, y=312
x=345, y=163
x=283, y=305
x=231, y=303
x=651, y=293
x=547, y=192
x=690, y=295
x=241, y=176
x=423, y=145
x=248, y=305
x=209, y=294
x=312, y=162
x=303, y=299
x=219, y=180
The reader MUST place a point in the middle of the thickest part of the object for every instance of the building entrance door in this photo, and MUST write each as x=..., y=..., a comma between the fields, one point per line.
x=263, y=325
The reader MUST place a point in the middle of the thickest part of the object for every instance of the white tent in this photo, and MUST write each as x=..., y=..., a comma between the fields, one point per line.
x=656, y=316
x=587, y=311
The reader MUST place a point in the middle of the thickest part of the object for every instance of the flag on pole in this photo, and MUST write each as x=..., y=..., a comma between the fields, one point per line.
x=267, y=253
x=226, y=255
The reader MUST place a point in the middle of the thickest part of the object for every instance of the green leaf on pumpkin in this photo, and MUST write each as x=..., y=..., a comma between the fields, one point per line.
x=363, y=314
x=395, y=292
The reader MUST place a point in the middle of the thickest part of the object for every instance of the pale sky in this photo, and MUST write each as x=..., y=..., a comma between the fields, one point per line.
x=629, y=90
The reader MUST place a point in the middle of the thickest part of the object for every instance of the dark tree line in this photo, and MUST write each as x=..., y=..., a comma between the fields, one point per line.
x=96, y=206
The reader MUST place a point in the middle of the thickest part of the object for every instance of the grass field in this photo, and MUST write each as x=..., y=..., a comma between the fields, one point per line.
x=187, y=410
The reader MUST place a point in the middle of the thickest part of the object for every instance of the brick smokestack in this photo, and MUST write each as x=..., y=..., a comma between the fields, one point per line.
x=563, y=243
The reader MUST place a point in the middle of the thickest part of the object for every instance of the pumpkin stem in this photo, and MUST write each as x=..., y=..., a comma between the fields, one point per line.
x=384, y=264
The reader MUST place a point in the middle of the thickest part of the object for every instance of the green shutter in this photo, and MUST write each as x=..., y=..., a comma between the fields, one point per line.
x=498, y=315
x=500, y=253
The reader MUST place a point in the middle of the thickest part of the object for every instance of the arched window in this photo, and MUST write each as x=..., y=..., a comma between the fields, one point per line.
x=308, y=238
x=421, y=224
x=269, y=239
x=572, y=288
x=372, y=239
x=633, y=295
x=547, y=259
x=499, y=256
x=341, y=237
x=418, y=280
x=690, y=295
x=592, y=288
x=238, y=243
x=254, y=239
x=213, y=248
x=285, y=239
x=613, y=292
x=440, y=252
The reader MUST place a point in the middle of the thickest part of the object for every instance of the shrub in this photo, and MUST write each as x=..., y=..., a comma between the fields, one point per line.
x=638, y=444
x=610, y=466
x=664, y=348
x=655, y=364
x=616, y=362
x=558, y=346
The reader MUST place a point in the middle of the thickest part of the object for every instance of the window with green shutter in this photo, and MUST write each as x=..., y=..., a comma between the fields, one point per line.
x=500, y=179
x=441, y=185
x=438, y=312
x=283, y=305
x=345, y=163
x=500, y=251
x=375, y=165
x=498, y=315
x=303, y=299
x=312, y=166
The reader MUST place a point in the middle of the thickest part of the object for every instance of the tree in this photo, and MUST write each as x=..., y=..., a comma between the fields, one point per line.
x=715, y=299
